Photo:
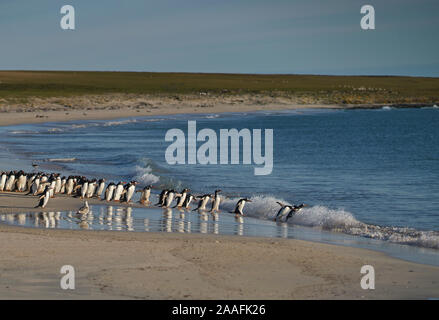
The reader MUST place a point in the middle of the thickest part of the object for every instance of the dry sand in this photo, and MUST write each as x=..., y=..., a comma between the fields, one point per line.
x=125, y=265
x=106, y=113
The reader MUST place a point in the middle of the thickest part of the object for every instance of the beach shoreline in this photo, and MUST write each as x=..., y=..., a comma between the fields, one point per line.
x=161, y=107
x=148, y=265
x=33, y=117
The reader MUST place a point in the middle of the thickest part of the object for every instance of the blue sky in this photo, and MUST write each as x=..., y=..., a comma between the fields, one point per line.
x=242, y=36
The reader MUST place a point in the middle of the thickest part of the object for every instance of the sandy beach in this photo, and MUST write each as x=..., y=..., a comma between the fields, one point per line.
x=30, y=115
x=122, y=265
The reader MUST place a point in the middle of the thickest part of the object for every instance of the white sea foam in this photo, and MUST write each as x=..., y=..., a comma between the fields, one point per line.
x=118, y=123
x=336, y=220
x=145, y=176
x=212, y=116
x=22, y=132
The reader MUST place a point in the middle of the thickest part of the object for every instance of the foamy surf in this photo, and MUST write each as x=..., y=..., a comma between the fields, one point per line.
x=336, y=220
x=145, y=175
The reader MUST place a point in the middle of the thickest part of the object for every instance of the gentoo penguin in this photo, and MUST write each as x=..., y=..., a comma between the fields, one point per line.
x=30, y=181
x=240, y=206
x=91, y=189
x=216, y=201
x=295, y=210
x=34, y=187
x=58, y=183
x=84, y=189
x=188, y=201
x=100, y=189
x=63, y=185
x=52, y=188
x=42, y=185
x=283, y=211
x=162, y=198
x=85, y=209
x=118, y=193
x=44, y=178
x=10, y=182
x=44, y=199
x=145, y=194
x=203, y=201
x=169, y=198
x=3, y=179
x=70, y=185
x=109, y=192
x=130, y=189
x=21, y=182
x=181, y=198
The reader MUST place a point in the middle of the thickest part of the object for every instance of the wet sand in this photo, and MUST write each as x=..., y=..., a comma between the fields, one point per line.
x=123, y=265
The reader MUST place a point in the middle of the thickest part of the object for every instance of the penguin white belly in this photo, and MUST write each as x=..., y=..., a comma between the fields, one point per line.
x=3, y=182
x=58, y=186
x=188, y=201
x=118, y=193
x=69, y=187
x=100, y=190
x=21, y=183
x=109, y=193
x=147, y=195
x=63, y=186
x=182, y=200
x=241, y=206
x=46, y=199
x=52, y=190
x=10, y=183
x=203, y=203
x=130, y=193
x=91, y=190
x=84, y=190
x=169, y=199
x=41, y=187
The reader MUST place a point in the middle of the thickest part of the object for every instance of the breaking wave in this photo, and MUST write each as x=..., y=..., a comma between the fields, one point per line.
x=336, y=220
x=145, y=175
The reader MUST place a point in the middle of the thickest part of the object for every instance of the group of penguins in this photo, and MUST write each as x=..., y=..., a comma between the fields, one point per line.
x=46, y=186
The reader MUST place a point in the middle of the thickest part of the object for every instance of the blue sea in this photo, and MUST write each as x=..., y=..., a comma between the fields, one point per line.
x=370, y=175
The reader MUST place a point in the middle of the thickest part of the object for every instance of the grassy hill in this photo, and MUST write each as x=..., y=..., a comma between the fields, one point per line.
x=19, y=86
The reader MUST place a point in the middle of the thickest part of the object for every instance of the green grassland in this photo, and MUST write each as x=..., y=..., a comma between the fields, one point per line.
x=22, y=85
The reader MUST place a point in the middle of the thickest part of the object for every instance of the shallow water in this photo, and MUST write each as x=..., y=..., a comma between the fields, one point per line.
x=372, y=173
x=129, y=219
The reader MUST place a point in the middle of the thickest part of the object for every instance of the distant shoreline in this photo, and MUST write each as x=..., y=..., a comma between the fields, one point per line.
x=30, y=116
x=44, y=96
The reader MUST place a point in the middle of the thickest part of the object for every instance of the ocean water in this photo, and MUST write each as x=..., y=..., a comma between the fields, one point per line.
x=367, y=173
